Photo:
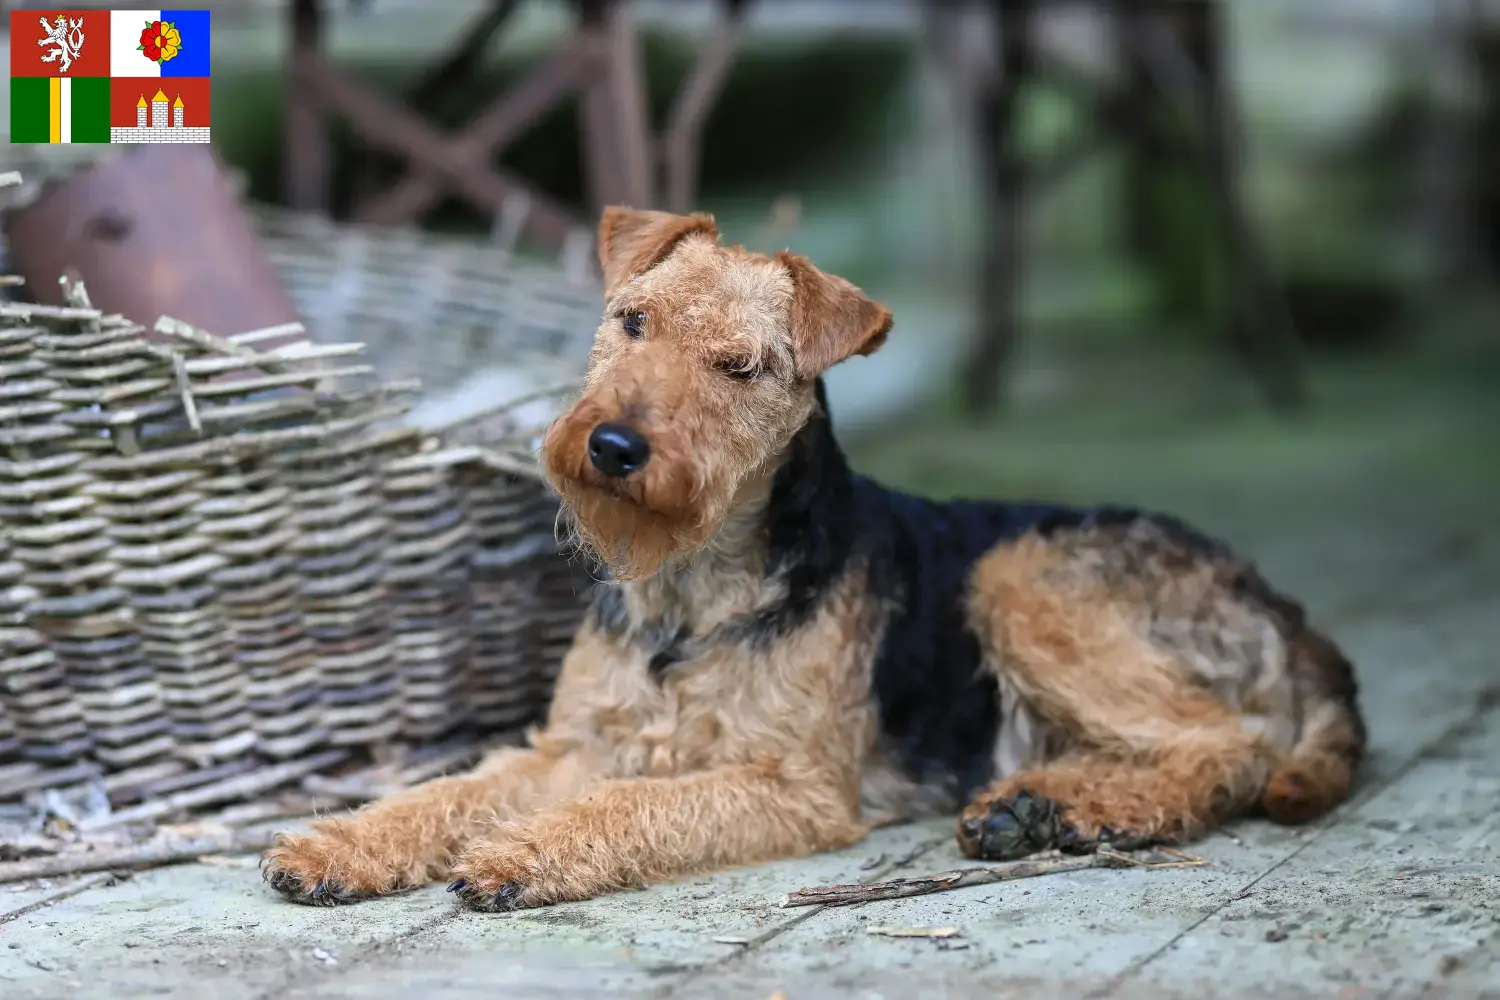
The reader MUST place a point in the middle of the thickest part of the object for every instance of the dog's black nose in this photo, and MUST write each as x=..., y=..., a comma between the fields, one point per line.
x=617, y=450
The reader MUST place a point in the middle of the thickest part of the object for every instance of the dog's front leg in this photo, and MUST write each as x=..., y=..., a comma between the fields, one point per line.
x=409, y=838
x=636, y=832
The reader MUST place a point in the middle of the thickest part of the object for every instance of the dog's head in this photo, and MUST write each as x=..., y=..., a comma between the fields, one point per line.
x=700, y=375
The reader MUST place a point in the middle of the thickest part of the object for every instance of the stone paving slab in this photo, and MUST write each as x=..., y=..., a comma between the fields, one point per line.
x=184, y=930
x=1387, y=899
x=190, y=928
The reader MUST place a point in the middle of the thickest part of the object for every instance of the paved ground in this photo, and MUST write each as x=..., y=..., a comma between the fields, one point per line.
x=1379, y=510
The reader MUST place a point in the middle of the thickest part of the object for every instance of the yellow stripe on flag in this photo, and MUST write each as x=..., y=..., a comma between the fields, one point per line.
x=54, y=107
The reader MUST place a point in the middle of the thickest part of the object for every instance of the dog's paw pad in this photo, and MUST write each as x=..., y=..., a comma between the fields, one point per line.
x=1014, y=828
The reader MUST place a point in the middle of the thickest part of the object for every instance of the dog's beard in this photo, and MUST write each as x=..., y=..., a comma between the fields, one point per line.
x=633, y=526
x=633, y=541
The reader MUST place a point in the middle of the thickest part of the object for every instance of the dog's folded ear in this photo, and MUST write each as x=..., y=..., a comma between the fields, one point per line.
x=831, y=319
x=632, y=242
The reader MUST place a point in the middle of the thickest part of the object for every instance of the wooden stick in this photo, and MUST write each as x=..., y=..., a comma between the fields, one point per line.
x=189, y=334
x=385, y=123
x=267, y=333
x=234, y=788
x=1183, y=860
x=163, y=851
x=185, y=390
x=24, y=311
x=900, y=888
x=496, y=128
x=844, y=895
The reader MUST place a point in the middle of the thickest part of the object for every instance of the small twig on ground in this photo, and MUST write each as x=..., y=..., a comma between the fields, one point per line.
x=161, y=851
x=914, y=932
x=846, y=895
x=899, y=888
x=1183, y=860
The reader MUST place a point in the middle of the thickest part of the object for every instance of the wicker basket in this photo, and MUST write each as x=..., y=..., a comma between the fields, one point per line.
x=215, y=557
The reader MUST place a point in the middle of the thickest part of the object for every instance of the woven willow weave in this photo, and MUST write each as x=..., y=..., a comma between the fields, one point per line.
x=215, y=556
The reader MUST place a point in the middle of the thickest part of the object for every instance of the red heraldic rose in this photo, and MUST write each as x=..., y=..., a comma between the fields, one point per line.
x=151, y=41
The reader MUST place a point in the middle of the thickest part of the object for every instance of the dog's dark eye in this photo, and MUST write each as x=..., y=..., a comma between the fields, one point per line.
x=738, y=370
x=635, y=324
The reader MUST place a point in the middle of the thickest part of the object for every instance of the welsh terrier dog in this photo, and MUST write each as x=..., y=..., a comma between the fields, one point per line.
x=787, y=653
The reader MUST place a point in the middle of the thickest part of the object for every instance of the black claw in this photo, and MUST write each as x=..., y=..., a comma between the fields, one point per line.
x=325, y=893
x=508, y=897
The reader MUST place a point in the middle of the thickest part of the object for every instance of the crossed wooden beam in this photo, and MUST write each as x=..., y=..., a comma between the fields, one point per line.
x=444, y=162
x=600, y=63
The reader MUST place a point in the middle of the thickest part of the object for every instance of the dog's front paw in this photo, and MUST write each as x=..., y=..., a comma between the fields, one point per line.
x=495, y=875
x=326, y=868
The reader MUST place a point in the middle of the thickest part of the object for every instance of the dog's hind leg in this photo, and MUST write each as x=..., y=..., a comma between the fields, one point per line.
x=1076, y=802
x=1143, y=749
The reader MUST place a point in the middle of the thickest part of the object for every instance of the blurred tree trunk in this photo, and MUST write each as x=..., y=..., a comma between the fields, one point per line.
x=1445, y=168
x=1003, y=181
x=1483, y=38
